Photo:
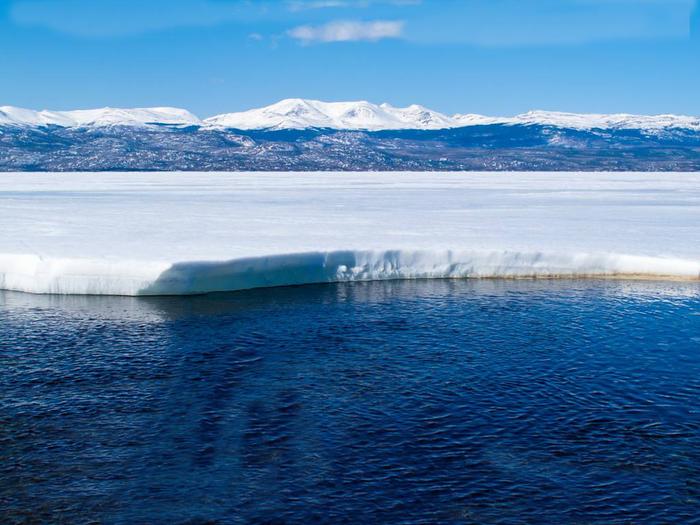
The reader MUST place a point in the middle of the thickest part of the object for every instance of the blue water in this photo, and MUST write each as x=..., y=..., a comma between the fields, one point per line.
x=405, y=402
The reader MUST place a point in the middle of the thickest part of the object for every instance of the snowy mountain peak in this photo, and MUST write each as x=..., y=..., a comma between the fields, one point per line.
x=10, y=115
x=359, y=115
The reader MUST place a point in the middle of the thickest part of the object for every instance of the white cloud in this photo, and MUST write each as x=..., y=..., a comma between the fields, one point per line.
x=348, y=31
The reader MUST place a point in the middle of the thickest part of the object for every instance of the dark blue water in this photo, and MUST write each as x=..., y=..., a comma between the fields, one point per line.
x=413, y=402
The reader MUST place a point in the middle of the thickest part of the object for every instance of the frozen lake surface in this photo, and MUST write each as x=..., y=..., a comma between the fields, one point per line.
x=179, y=233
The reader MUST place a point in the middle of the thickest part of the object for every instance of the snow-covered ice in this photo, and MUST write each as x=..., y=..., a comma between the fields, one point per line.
x=179, y=233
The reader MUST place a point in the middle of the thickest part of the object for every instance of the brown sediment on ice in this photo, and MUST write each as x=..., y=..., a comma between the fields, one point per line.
x=593, y=276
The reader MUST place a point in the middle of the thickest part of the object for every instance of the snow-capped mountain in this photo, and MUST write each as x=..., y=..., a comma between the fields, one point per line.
x=297, y=134
x=295, y=113
x=595, y=121
x=304, y=114
x=97, y=117
x=313, y=114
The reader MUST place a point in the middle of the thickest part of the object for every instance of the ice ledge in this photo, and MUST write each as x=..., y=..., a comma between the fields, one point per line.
x=35, y=274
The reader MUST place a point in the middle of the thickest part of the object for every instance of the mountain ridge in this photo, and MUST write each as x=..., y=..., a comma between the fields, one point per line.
x=10, y=115
x=301, y=114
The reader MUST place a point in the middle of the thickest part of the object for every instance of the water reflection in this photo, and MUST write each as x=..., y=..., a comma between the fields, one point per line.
x=163, y=307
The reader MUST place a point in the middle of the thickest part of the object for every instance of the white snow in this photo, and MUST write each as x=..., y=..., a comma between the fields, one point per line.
x=180, y=233
x=97, y=117
x=302, y=114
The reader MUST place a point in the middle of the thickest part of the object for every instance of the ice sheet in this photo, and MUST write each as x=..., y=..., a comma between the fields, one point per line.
x=160, y=233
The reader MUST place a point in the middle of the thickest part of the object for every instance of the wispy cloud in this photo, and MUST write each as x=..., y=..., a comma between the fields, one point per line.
x=300, y=5
x=348, y=31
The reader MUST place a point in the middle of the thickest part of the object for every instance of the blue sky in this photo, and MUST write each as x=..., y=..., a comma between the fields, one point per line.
x=497, y=57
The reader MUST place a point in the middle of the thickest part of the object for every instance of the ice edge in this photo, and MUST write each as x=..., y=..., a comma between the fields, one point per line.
x=35, y=274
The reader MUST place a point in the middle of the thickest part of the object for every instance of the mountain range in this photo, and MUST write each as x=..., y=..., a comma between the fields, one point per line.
x=298, y=134
x=305, y=114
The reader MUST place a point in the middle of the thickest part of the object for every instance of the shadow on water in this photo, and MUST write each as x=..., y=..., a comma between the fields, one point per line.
x=483, y=401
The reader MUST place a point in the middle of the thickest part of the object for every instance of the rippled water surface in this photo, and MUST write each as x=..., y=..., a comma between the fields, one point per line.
x=407, y=402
